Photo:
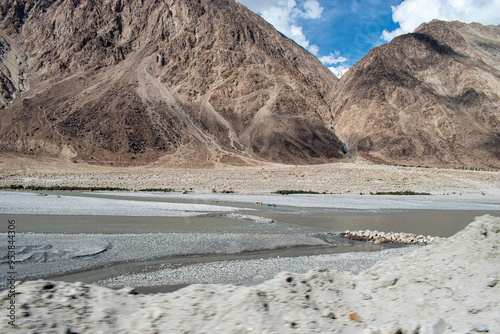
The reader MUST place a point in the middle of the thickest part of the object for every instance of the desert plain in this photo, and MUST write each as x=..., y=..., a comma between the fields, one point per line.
x=263, y=178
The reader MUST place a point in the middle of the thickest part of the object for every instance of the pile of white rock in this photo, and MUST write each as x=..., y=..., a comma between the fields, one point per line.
x=388, y=237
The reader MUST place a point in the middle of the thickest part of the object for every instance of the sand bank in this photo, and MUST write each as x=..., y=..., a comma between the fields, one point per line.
x=189, y=205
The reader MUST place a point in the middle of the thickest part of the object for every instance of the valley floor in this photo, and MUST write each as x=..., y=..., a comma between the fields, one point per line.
x=340, y=178
x=447, y=287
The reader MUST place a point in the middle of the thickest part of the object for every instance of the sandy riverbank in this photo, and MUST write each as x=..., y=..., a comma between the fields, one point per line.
x=452, y=286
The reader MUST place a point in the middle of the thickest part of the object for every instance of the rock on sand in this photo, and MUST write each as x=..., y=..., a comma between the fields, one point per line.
x=451, y=286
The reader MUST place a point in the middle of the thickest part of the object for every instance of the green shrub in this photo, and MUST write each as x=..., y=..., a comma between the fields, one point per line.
x=406, y=192
x=288, y=192
x=165, y=190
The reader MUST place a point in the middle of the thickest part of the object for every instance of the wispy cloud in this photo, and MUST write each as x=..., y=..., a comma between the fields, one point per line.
x=285, y=15
x=333, y=58
x=411, y=13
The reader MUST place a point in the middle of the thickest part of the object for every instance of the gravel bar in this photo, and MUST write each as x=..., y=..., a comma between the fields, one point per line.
x=41, y=255
x=251, y=272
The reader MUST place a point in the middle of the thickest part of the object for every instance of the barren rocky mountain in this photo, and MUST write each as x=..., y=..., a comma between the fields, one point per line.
x=182, y=83
x=207, y=83
x=427, y=98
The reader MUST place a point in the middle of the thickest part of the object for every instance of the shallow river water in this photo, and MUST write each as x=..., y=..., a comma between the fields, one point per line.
x=35, y=213
x=146, y=213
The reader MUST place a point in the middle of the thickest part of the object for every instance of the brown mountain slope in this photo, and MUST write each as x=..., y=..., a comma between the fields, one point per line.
x=178, y=82
x=12, y=70
x=427, y=98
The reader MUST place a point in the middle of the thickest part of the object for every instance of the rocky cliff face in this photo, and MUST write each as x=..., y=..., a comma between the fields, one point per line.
x=427, y=98
x=184, y=83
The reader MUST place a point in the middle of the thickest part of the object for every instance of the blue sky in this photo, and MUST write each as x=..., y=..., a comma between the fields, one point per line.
x=341, y=32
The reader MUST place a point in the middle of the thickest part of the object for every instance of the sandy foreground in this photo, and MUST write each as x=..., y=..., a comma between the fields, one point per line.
x=451, y=286
x=339, y=178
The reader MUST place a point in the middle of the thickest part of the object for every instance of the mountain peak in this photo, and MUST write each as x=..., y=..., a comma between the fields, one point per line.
x=427, y=98
x=182, y=83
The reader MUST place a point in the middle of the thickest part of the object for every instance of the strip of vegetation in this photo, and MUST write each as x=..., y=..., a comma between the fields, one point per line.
x=406, y=192
x=223, y=191
x=165, y=190
x=63, y=188
x=477, y=169
x=288, y=192
x=14, y=186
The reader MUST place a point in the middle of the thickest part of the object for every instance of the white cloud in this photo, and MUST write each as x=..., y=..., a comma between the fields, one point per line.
x=284, y=15
x=411, y=13
x=314, y=49
x=312, y=9
x=333, y=58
